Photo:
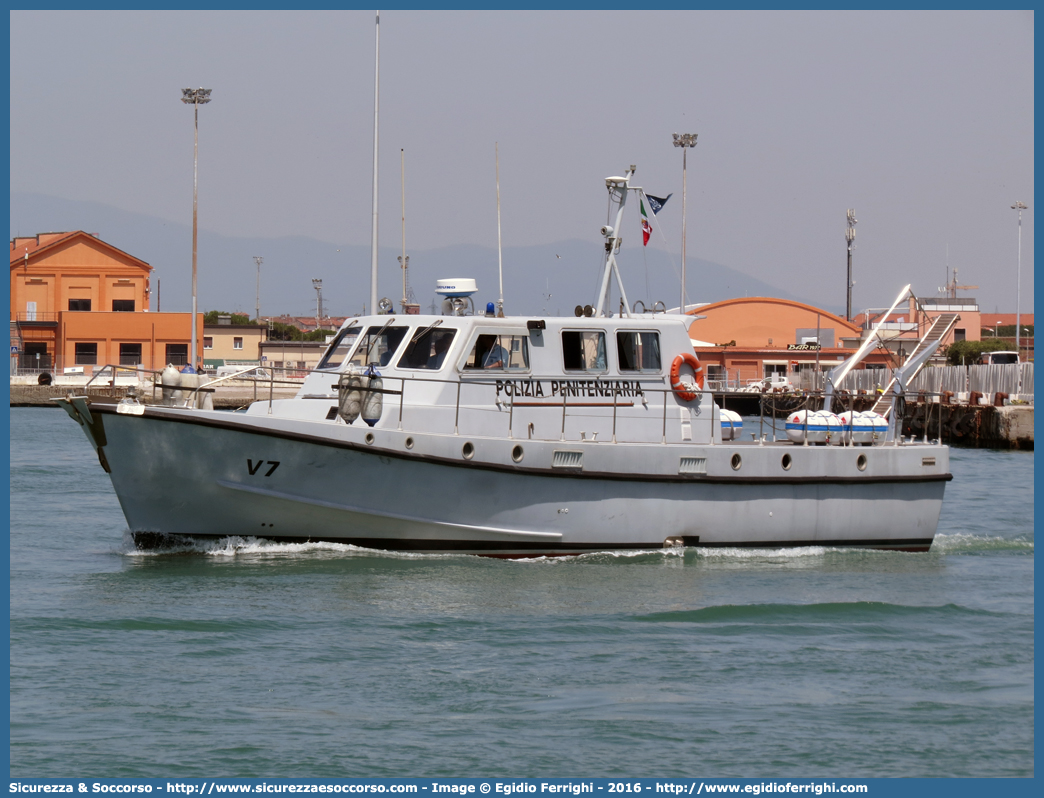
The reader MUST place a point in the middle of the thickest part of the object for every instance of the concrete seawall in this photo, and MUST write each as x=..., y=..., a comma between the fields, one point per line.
x=1009, y=427
x=229, y=397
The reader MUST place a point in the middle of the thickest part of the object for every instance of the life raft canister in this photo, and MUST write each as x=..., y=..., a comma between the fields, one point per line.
x=680, y=389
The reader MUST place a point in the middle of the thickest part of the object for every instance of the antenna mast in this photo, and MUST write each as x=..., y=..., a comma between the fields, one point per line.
x=257, y=297
x=404, y=259
x=618, y=188
x=500, y=254
x=850, y=238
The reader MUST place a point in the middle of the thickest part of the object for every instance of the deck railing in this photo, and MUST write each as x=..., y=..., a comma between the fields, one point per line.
x=657, y=396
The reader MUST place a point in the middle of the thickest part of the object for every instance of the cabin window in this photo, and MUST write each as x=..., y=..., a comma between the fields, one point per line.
x=130, y=354
x=79, y=304
x=177, y=354
x=340, y=347
x=427, y=349
x=377, y=346
x=499, y=352
x=583, y=351
x=86, y=354
x=638, y=351
x=124, y=305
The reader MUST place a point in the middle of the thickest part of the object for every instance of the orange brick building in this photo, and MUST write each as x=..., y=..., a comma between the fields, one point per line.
x=78, y=302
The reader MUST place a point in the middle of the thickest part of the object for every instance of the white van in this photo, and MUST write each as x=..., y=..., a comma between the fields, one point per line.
x=995, y=358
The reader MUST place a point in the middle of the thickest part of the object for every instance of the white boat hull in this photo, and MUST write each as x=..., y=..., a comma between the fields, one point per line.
x=212, y=474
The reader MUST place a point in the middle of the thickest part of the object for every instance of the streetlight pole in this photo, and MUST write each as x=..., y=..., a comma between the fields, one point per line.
x=195, y=98
x=257, y=296
x=684, y=140
x=1020, y=207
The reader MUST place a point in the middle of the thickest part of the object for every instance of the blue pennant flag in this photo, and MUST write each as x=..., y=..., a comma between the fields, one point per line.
x=656, y=203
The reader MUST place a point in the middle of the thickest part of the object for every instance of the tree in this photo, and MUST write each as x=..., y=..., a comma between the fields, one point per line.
x=967, y=353
x=211, y=317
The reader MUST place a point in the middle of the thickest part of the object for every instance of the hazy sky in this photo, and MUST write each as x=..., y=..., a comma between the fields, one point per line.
x=920, y=121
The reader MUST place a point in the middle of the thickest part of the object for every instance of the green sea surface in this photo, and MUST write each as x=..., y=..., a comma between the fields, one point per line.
x=246, y=658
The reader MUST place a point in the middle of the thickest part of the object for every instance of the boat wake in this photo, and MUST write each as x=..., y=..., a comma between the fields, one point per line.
x=964, y=543
x=238, y=546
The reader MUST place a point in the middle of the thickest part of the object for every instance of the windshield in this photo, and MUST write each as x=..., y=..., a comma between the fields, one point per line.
x=377, y=346
x=340, y=347
x=427, y=350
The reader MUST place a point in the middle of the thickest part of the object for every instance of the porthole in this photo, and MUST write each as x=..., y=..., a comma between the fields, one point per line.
x=468, y=450
x=517, y=454
x=737, y=461
x=369, y=438
x=409, y=443
x=787, y=462
x=861, y=462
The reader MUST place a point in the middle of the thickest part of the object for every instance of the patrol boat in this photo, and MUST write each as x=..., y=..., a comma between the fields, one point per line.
x=512, y=437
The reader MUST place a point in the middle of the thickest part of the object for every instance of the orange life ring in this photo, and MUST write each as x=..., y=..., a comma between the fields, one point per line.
x=676, y=384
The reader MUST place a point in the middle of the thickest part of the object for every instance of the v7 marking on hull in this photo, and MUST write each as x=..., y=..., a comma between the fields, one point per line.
x=253, y=469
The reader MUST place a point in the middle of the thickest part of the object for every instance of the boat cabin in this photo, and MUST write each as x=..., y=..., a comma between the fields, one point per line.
x=605, y=378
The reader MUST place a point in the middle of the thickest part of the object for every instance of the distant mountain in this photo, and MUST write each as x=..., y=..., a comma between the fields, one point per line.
x=568, y=271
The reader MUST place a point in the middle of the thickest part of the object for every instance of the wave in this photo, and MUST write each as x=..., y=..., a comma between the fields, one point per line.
x=850, y=611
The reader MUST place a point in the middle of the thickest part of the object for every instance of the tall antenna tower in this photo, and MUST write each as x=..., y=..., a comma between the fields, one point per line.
x=409, y=302
x=850, y=239
x=257, y=297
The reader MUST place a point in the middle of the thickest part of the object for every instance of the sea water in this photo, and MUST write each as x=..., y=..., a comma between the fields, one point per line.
x=247, y=658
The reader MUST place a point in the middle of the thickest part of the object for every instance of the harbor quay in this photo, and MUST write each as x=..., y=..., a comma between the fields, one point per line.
x=981, y=426
x=240, y=393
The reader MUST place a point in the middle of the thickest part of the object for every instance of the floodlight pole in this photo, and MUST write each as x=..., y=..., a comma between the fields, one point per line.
x=317, y=284
x=684, y=140
x=195, y=98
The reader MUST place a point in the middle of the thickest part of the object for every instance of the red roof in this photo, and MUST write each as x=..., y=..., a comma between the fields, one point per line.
x=993, y=319
x=28, y=246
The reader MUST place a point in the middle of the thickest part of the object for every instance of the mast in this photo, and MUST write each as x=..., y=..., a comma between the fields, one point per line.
x=376, y=109
x=404, y=259
x=618, y=188
x=500, y=254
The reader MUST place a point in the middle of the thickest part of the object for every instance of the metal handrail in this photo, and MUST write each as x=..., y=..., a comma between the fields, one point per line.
x=808, y=398
x=116, y=368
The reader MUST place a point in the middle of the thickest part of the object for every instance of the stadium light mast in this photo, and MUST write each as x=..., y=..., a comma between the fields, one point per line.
x=195, y=98
x=685, y=141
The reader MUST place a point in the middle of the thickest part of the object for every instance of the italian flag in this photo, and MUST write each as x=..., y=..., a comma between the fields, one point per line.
x=646, y=227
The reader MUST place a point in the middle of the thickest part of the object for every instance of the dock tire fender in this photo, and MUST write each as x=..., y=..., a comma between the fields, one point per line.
x=679, y=388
